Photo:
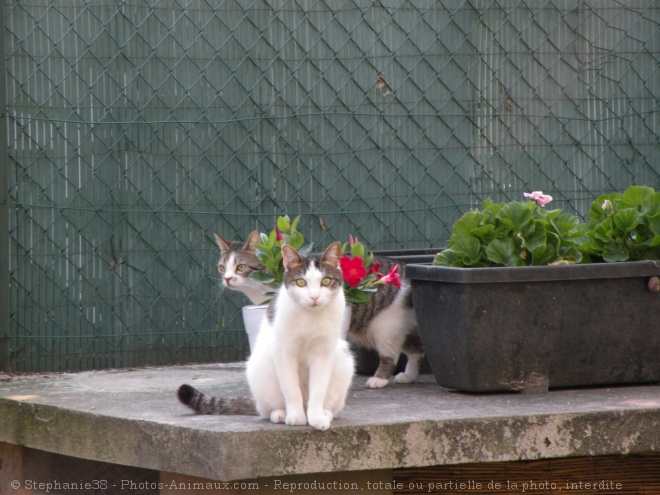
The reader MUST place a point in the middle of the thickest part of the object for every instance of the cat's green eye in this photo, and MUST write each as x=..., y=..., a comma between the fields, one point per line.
x=326, y=281
x=221, y=268
x=301, y=282
x=241, y=268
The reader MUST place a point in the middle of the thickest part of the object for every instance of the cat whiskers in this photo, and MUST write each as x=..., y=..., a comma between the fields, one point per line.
x=218, y=286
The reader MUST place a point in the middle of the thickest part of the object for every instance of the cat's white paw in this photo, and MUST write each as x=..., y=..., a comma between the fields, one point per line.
x=320, y=421
x=294, y=419
x=375, y=382
x=405, y=378
x=278, y=416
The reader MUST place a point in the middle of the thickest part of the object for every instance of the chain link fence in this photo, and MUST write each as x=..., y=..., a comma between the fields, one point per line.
x=135, y=130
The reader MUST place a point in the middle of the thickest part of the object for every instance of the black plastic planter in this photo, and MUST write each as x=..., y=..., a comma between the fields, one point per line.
x=531, y=328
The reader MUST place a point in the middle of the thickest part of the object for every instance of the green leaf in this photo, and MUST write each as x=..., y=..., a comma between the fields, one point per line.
x=516, y=215
x=590, y=247
x=464, y=226
x=358, y=250
x=565, y=223
x=468, y=250
x=613, y=252
x=294, y=224
x=260, y=248
x=485, y=233
x=651, y=205
x=272, y=238
x=271, y=264
x=549, y=214
x=580, y=233
x=447, y=258
x=491, y=209
x=534, y=236
x=604, y=231
x=487, y=204
x=296, y=240
x=653, y=221
x=655, y=242
x=544, y=254
x=263, y=254
x=354, y=296
x=634, y=196
x=283, y=224
x=554, y=244
x=626, y=219
x=570, y=254
x=502, y=252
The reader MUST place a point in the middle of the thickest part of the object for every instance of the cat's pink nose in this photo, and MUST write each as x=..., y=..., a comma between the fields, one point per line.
x=314, y=298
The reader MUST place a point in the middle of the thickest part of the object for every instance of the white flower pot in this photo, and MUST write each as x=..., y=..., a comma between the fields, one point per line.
x=253, y=315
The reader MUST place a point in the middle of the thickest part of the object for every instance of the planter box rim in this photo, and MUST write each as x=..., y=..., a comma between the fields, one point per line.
x=533, y=273
x=407, y=252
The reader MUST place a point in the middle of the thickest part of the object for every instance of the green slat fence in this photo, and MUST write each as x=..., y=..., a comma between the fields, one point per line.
x=136, y=129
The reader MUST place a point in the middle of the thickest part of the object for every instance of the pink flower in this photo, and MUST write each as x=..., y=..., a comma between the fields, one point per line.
x=608, y=207
x=352, y=270
x=540, y=198
x=280, y=236
x=392, y=277
x=374, y=268
x=352, y=240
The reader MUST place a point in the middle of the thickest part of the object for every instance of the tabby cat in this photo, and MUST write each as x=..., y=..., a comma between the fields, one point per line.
x=386, y=324
x=301, y=369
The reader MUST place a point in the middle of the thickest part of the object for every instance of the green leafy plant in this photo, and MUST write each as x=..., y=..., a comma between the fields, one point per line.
x=269, y=251
x=514, y=234
x=625, y=227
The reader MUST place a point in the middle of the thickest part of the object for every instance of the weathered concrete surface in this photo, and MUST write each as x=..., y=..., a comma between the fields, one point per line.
x=133, y=418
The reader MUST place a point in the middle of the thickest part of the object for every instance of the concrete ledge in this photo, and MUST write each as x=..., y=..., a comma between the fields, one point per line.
x=133, y=418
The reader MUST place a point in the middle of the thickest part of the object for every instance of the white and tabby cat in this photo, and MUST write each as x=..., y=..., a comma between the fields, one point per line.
x=300, y=370
x=237, y=261
x=386, y=324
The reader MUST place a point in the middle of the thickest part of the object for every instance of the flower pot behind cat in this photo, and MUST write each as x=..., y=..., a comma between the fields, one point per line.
x=253, y=315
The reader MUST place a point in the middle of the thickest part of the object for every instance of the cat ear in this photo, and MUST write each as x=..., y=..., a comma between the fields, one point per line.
x=222, y=244
x=290, y=257
x=253, y=238
x=332, y=254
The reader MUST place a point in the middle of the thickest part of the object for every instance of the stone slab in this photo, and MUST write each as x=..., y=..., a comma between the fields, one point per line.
x=132, y=417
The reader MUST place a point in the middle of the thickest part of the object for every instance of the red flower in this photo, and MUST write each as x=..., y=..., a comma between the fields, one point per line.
x=352, y=270
x=279, y=235
x=392, y=277
x=374, y=268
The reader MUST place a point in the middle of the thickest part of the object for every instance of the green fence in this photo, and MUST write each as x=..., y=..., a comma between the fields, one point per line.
x=137, y=129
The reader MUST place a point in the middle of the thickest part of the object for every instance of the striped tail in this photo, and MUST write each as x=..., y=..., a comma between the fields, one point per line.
x=205, y=404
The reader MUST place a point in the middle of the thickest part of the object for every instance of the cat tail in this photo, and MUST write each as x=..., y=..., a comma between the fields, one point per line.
x=205, y=404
